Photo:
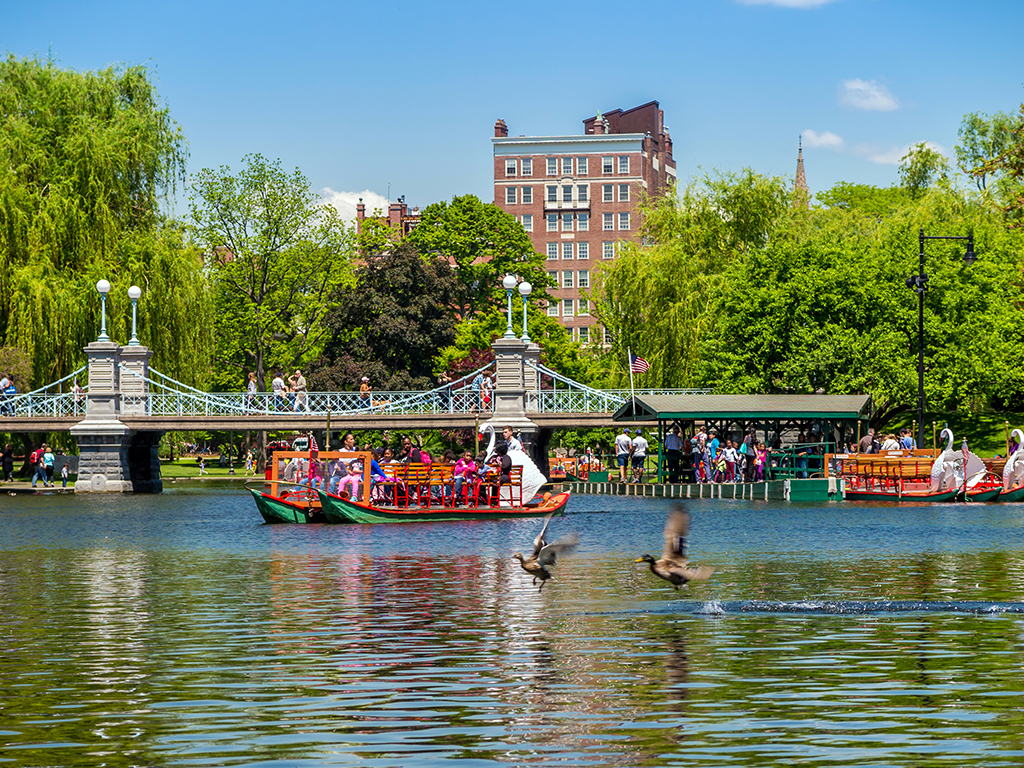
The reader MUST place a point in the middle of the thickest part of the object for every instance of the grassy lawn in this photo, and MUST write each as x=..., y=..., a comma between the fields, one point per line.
x=190, y=468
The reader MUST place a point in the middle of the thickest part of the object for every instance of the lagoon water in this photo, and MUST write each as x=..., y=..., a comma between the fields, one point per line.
x=178, y=630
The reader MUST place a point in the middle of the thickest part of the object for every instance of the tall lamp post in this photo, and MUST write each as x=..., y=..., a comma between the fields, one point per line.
x=104, y=288
x=919, y=284
x=524, y=290
x=134, y=293
x=509, y=284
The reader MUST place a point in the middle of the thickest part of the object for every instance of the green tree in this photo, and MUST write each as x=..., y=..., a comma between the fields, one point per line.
x=389, y=324
x=920, y=168
x=483, y=243
x=874, y=201
x=85, y=160
x=657, y=299
x=982, y=139
x=1009, y=164
x=276, y=257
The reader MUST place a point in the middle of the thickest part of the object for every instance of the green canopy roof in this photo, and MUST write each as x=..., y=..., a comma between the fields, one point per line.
x=753, y=407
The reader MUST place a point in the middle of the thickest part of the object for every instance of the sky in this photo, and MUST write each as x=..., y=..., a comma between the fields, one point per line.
x=386, y=99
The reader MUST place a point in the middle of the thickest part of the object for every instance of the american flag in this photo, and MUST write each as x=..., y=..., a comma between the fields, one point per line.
x=637, y=364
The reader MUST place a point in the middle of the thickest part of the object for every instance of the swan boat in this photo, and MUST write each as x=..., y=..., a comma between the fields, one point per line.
x=917, y=478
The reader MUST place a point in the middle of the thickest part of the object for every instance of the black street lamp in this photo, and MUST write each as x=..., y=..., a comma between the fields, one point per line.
x=919, y=284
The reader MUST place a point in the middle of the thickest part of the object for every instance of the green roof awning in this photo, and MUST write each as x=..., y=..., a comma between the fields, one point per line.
x=752, y=407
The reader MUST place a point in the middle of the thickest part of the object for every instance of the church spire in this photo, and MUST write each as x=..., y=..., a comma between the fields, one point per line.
x=800, y=184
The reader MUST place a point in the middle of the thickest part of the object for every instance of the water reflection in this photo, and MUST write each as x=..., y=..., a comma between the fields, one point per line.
x=177, y=630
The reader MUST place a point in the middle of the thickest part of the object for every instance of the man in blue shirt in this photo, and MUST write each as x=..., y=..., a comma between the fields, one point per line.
x=712, y=451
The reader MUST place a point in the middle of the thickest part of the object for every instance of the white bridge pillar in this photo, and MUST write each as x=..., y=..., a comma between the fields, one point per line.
x=510, y=388
x=112, y=457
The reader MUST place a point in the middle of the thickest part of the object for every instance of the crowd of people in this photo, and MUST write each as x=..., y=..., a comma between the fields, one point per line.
x=469, y=472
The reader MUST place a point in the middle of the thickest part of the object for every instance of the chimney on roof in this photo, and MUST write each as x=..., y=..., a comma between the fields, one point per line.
x=599, y=125
x=361, y=209
x=500, y=129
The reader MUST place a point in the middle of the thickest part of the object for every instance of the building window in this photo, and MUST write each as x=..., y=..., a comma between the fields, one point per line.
x=607, y=165
x=581, y=192
x=528, y=222
x=608, y=222
x=582, y=222
x=582, y=250
x=566, y=250
x=553, y=309
x=554, y=278
x=584, y=307
x=567, y=193
x=623, y=163
x=552, y=166
x=581, y=166
x=567, y=279
x=552, y=193
x=584, y=334
x=623, y=193
x=607, y=250
x=510, y=194
x=526, y=167
x=567, y=222
x=623, y=221
x=607, y=193
x=527, y=195
x=567, y=305
x=552, y=250
x=567, y=166
x=553, y=222
x=583, y=281
x=510, y=167
x=606, y=335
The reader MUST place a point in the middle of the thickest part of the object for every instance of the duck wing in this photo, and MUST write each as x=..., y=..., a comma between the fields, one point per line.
x=560, y=546
x=676, y=529
x=693, y=573
x=539, y=542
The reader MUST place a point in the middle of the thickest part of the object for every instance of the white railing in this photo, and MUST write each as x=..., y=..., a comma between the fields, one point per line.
x=559, y=394
x=43, y=403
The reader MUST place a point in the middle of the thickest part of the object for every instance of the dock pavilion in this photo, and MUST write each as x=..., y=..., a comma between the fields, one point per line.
x=830, y=419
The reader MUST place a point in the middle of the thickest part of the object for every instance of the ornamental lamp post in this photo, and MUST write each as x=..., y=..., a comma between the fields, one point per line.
x=134, y=293
x=525, y=289
x=509, y=284
x=919, y=284
x=104, y=288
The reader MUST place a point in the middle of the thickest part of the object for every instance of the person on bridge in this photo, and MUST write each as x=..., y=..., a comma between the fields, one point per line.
x=297, y=382
x=365, y=398
x=477, y=386
x=250, y=392
x=280, y=393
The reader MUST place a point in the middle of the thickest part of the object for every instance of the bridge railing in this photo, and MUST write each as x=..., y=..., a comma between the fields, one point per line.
x=47, y=401
x=560, y=394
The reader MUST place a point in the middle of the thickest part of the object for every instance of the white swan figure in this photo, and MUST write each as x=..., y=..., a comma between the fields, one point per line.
x=533, y=478
x=944, y=467
x=1013, y=472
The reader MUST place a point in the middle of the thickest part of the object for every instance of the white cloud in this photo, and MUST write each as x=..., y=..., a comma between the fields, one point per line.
x=891, y=155
x=788, y=3
x=825, y=139
x=345, y=202
x=867, y=94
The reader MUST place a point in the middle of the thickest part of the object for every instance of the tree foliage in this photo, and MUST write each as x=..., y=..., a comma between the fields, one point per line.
x=657, y=299
x=483, y=243
x=389, y=324
x=868, y=199
x=920, y=168
x=982, y=139
x=85, y=160
x=276, y=257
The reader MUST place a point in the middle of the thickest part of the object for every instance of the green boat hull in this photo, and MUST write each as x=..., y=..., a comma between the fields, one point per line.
x=338, y=510
x=992, y=494
x=276, y=510
x=1017, y=494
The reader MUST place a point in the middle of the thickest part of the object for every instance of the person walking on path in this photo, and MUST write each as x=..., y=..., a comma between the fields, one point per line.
x=623, y=447
x=48, y=459
x=38, y=467
x=8, y=462
x=64, y=475
x=202, y=466
x=249, y=468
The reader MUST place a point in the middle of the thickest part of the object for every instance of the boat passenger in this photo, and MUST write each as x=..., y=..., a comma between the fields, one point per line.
x=465, y=468
x=890, y=443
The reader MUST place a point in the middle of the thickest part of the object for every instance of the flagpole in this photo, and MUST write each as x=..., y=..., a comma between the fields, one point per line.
x=632, y=393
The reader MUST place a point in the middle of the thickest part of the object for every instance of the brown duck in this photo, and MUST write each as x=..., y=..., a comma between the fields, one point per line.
x=674, y=566
x=544, y=554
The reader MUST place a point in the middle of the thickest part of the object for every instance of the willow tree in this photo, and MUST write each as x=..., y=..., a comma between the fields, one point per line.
x=657, y=298
x=86, y=158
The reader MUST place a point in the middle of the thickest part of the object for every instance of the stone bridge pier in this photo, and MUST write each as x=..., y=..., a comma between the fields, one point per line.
x=114, y=458
x=513, y=381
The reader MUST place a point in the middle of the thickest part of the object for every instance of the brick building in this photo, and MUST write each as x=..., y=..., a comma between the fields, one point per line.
x=577, y=196
x=398, y=217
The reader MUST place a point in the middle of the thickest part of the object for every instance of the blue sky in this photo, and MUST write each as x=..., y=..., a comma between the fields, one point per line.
x=360, y=96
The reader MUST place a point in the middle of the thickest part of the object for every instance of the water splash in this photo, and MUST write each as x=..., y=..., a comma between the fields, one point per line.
x=852, y=607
